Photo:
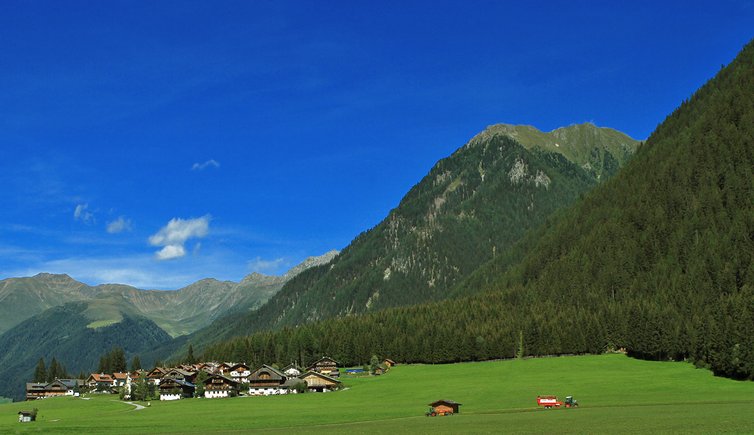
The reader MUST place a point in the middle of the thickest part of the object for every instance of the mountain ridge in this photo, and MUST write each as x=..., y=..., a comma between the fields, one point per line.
x=472, y=204
x=178, y=311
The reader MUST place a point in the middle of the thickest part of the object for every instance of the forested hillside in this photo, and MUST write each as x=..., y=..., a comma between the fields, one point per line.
x=63, y=333
x=471, y=207
x=657, y=260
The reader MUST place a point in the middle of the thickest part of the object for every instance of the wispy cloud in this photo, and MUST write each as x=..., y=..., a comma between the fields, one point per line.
x=119, y=225
x=82, y=213
x=266, y=266
x=202, y=166
x=173, y=236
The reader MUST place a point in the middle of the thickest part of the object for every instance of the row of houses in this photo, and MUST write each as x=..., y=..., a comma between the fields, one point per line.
x=221, y=380
x=58, y=387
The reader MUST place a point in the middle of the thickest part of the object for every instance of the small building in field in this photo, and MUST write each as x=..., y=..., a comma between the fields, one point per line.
x=218, y=386
x=267, y=380
x=27, y=416
x=445, y=406
x=324, y=365
x=318, y=382
x=176, y=389
x=387, y=362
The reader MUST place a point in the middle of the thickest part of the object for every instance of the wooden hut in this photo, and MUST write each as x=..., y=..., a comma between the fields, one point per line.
x=27, y=416
x=445, y=407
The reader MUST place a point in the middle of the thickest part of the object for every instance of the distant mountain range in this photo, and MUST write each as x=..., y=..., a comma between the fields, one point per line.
x=178, y=312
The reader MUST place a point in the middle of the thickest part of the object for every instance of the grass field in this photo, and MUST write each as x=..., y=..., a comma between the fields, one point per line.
x=617, y=395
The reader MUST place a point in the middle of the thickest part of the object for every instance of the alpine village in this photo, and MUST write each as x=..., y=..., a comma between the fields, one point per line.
x=499, y=279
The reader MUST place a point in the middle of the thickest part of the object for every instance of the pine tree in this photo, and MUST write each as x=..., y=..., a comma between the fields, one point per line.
x=135, y=363
x=54, y=370
x=190, y=359
x=118, y=360
x=40, y=373
x=199, y=382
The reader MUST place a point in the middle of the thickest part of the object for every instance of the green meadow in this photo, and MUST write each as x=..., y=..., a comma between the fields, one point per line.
x=616, y=394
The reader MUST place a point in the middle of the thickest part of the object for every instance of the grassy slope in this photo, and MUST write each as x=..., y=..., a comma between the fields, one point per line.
x=617, y=394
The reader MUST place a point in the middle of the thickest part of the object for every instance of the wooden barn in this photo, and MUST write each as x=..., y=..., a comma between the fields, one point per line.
x=319, y=382
x=445, y=407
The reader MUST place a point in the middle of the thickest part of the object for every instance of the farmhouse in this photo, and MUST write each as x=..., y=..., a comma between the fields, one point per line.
x=58, y=387
x=120, y=379
x=318, y=382
x=175, y=389
x=100, y=381
x=240, y=372
x=267, y=380
x=179, y=374
x=223, y=368
x=326, y=366
x=154, y=375
x=217, y=386
x=35, y=390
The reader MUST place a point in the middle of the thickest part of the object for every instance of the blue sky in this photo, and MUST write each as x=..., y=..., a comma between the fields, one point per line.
x=154, y=143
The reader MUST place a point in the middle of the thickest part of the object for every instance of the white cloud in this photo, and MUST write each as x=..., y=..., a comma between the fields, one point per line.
x=119, y=225
x=201, y=166
x=82, y=213
x=173, y=236
x=266, y=266
x=171, y=251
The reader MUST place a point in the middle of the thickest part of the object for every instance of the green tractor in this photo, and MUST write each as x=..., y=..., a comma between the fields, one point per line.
x=570, y=402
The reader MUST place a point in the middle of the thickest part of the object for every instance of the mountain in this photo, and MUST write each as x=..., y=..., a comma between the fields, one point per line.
x=178, y=312
x=471, y=206
x=65, y=333
x=658, y=260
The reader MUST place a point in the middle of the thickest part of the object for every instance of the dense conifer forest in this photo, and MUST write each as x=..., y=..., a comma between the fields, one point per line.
x=657, y=261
